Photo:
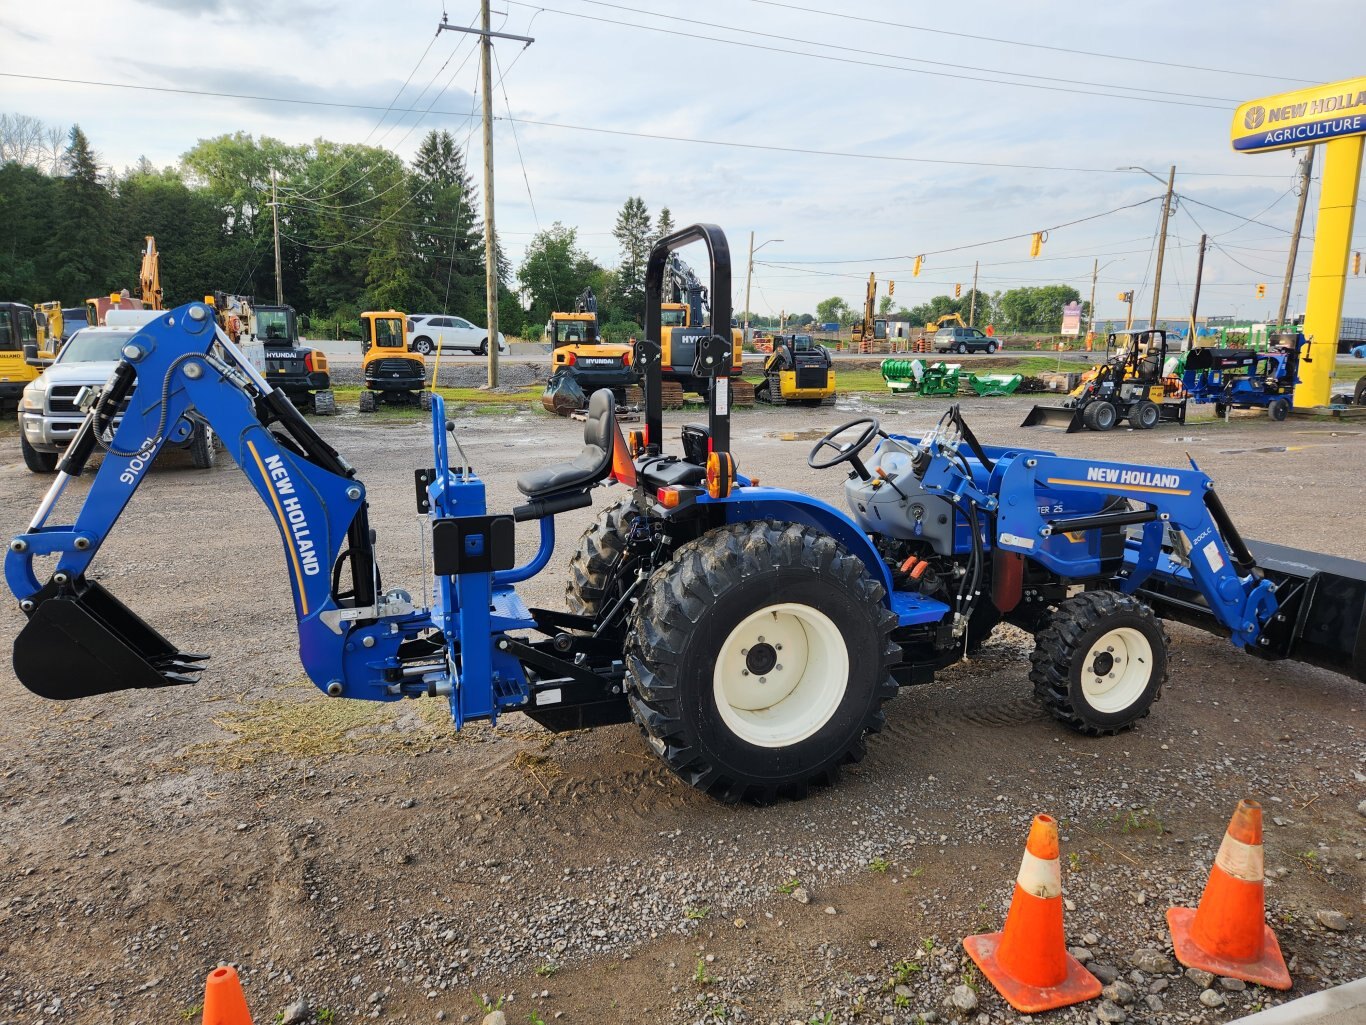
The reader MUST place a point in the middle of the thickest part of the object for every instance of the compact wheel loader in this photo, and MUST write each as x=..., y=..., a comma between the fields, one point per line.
x=752, y=633
x=1129, y=385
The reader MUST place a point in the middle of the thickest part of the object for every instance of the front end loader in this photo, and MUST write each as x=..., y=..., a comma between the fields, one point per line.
x=752, y=633
x=1130, y=385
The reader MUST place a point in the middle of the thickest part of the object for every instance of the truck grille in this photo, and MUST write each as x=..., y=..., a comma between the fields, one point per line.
x=61, y=398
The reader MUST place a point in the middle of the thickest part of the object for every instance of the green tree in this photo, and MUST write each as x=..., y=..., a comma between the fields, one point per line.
x=449, y=238
x=632, y=232
x=884, y=305
x=81, y=242
x=665, y=224
x=832, y=310
x=554, y=272
x=1035, y=308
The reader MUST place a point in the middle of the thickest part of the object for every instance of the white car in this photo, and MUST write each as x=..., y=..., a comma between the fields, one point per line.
x=428, y=332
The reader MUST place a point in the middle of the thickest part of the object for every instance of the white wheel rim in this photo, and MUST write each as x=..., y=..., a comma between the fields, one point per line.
x=780, y=675
x=1116, y=670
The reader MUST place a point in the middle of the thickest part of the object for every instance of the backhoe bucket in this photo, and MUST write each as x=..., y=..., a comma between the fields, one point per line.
x=1054, y=416
x=76, y=645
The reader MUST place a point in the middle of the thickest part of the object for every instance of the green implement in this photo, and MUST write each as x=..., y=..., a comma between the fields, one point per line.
x=940, y=379
x=994, y=384
x=902, y=375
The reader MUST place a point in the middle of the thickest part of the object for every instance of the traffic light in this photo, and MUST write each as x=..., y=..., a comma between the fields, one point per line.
x=915, y=269
x=891, y=288
x=1125, y=297
x=1356, y=263
x=1261, y=291
x=1035, y=244
x=957, y=291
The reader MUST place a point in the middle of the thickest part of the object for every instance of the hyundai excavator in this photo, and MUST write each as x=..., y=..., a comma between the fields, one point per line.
x=582, y=362
x=684, y=319
x=754, y=633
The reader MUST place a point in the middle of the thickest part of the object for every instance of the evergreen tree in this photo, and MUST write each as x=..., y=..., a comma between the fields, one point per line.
x=665, y=224
x=450, y=239
x=632, y=232
x=81, y=225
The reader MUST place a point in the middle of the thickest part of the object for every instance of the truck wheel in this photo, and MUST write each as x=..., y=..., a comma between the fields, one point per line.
x=325, y=403
x=758, y=659
x=38, y=462
x=1278, y=409
x=1100, y=663
x=991, y=348
x=1145, y=416
x=597, y=562
x=961, y=348
x=1099, y=415
x=483, y=349
x=423, y=346
x=367, y=402
x=203, y=447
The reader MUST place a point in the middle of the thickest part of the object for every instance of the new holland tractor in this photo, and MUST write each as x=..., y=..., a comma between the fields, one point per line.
x=753, y=633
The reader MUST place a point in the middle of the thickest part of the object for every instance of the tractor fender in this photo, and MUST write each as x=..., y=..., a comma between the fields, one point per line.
x=764, y=503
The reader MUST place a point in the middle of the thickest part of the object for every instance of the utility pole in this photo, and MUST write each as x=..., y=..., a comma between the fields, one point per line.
x=1162, y=246
x=1195, y=299
x=1306, y=168
x=749, y=274
x=490, y=243
x=1091, y=310
x=275, y=219
x=972, y=302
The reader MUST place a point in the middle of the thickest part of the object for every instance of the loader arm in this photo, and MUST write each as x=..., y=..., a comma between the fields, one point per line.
x=80, y=640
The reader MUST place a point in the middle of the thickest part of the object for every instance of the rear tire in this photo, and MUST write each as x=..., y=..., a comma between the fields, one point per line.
x=1278, y=409
x=1099, y=415
x=597, y=562
x=961, y=348
x=1100, y=663
x=483, y=349
x=203, y=447
x=1145, y=416
x=367, y=402
x=38, y=462
x=703, y=654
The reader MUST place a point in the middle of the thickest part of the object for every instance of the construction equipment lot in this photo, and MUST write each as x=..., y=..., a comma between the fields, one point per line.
x=368, y=860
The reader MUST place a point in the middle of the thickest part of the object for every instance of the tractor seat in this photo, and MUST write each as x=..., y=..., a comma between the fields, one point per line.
x=593, y=462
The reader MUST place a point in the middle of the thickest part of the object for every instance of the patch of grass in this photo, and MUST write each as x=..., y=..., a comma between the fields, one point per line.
x=289, y=729
x=903, y=970
x=825, y=1018
x=917, y=872
x=880, y=865
x=700, y=975
x=790, y=886
x=1073, y=860
x=192, y=1012
x=534, y=1018
x=1136, y=820
x=548, y=970
x=326, y=1016
x=482, y=1001
x=927, y=944
x=696, y=914
x=535, y=764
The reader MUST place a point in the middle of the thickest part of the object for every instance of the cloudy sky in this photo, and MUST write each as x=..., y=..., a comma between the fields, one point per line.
x=858, y=138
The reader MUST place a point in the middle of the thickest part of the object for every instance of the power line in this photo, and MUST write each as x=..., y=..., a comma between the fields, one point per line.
x=1038, y=46
x=652, y=136
x=850, y=60
x=864, y=50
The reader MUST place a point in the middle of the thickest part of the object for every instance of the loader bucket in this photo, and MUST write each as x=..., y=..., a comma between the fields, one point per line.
x=1054, y=416
x=79, y=644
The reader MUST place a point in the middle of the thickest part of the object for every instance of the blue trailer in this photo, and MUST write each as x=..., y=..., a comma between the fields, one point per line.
x=1245, y=379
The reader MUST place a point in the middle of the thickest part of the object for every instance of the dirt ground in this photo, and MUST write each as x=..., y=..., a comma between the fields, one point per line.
x=372, y=863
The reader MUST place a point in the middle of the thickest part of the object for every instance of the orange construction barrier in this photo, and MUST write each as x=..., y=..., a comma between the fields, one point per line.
x=1227, y=934
x=1028, y=962
x=224, y=1002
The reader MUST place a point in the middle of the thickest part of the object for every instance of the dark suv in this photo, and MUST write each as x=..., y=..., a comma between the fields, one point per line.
x=963, y=339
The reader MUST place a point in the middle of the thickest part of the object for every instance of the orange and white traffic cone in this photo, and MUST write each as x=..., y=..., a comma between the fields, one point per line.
x=1227, y=934
x=224, y=1001
x=1027, y=961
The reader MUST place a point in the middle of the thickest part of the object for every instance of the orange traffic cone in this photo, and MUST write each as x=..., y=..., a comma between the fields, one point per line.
x=1028, y=962
x=224, y=1002
x=1227, y=934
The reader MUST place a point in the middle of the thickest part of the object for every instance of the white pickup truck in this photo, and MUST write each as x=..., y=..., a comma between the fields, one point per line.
x=48, y=412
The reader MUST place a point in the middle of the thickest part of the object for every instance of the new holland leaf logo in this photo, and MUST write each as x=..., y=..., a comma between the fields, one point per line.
x=1254, y=117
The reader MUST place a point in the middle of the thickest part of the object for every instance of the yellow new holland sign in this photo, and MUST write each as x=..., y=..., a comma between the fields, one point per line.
x=1301, y=117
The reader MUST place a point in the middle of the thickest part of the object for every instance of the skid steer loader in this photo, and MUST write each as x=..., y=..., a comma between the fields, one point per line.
x=797, y=372
x=752, y=633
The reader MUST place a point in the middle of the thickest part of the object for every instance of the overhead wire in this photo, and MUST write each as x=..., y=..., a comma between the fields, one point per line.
x=850, y=60
x=1038, y=46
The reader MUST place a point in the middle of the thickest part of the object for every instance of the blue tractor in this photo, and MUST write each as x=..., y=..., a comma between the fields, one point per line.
x=753, y=633
x=1245, y=378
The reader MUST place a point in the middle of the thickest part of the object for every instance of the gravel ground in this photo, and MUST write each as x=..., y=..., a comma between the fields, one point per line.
x=363, y=862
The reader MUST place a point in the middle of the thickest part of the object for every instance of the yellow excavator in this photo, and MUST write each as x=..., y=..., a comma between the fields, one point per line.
x=869, y=328
x=944, y=321
x=582, y=363
x=683, y=319
x=392, y=372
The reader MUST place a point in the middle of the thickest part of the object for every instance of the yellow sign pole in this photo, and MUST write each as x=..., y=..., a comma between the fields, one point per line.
x=1328, y=270
x=1333, y=116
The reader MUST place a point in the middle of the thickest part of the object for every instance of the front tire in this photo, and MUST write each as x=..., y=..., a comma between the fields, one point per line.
x=758, y=659
x=595, y=577
x=203, y=447
x=38, y=462
x=1145, y=416
x=1278, y=409
x=1100, y=663
x=991, y=348
x=1100, y=415
x=423, y=346
x=483, y=349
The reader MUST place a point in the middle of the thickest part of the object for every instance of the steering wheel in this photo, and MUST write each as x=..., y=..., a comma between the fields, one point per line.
x=847, y=451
